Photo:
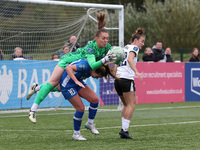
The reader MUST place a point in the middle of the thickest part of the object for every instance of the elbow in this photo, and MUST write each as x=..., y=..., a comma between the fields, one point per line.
x=129, y=60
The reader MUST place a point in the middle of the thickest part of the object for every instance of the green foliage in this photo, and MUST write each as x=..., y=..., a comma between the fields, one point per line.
x=174, y=22
x=166, y=126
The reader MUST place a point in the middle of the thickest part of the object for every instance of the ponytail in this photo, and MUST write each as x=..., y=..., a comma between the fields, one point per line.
x=138, y=33
x=101, y=23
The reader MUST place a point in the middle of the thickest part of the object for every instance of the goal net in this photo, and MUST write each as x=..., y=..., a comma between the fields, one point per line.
x=40, y=28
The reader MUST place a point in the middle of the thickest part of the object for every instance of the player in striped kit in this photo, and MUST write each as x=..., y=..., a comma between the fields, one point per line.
x=125, y=87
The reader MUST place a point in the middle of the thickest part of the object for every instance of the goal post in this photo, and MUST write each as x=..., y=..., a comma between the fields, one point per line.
x=40, y=28
x=44, y=26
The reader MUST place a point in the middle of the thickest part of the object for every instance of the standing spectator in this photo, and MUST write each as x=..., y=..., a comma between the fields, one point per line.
x=195, y=55
x=73, y=43
x=158, y=51
x=18, y=55
x=125, y=87
x=1, y=55
x=64, y=50
x=55, y=57
x=148, y=55
x=168, y=55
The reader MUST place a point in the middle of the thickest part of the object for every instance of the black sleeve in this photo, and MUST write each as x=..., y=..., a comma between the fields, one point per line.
x=146, y=57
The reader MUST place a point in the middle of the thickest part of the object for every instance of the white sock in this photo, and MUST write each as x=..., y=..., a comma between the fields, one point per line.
x=77, y=132
x=122, y=119
x=34, y=107
x=90, y=121
x=125, y=124
x=37, y=88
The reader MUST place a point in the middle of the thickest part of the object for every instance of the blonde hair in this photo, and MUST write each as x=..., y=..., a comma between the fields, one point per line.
x=146, y=49
x=193, y=54
x=17, y=48
x=1, y=52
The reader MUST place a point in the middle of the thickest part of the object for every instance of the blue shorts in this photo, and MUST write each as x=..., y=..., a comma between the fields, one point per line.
x=72, y=90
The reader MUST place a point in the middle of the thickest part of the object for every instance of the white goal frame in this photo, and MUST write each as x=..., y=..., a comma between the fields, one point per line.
x=88, y=5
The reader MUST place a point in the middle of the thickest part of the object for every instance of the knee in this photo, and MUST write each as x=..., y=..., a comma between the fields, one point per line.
x=133, y=106
x=80, y=108
x=95, y=99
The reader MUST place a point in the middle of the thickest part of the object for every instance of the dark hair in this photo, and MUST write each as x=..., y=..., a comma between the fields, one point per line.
x=65, y=46
x=138, y=33
x=105, y=71
x=158, y=42
x=101, y=23
x=52, y=56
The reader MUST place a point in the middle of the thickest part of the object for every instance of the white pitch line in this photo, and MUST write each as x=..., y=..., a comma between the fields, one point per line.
x=51, y=109
x=105, y=128
x=179, y=107
x=99, y=110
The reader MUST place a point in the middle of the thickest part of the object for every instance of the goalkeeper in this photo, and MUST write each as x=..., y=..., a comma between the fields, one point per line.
x=95, y=53
x=73, y=87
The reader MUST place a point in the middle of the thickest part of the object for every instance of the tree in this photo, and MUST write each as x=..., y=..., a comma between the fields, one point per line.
x=174, y=22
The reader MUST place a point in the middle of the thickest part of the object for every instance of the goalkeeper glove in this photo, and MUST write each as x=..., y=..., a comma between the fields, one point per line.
x=110, y=57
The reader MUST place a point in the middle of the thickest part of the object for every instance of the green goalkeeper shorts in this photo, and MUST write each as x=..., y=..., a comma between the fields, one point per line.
x=63, y=63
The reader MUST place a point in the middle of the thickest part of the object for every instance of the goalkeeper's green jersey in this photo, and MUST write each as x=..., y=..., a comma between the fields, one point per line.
x=90, y=52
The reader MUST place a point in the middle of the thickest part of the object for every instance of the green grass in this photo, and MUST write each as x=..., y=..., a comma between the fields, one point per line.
x=167, y=126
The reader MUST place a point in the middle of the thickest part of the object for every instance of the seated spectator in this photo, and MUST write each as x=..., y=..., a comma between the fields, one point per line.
x=73, y=44
x=55, y=57
x=85, y=43
x=1, y=55
x=148, y=55
x=63, y=51
x=195, y=55
x=158, y=51
x=18, y=55
x=168, y=55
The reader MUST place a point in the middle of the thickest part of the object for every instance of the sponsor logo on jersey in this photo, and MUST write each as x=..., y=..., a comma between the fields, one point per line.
x=195, y=80
x=90, y=50
x=135, y=49
x=81, y=66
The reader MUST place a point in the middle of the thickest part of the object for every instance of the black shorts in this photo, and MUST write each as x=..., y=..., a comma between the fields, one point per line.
x=124, y=85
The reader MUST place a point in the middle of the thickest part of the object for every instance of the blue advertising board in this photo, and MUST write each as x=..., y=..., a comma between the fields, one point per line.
x=192, y=81
x=16, y=76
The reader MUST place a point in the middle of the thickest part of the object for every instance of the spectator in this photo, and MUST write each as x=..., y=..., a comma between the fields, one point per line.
x=18, y=55
x=195, y=55
x=85, y=43
x=1, y=55
x=73, y=43
x=168, y=57
x=55, y=57
x=148, y=55
x=63, y=51
x=158, y=51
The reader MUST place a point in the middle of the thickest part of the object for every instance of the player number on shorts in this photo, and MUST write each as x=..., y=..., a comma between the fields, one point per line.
x=71, y=91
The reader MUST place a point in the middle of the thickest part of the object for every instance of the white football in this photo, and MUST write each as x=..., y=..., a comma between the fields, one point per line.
x=119, y=52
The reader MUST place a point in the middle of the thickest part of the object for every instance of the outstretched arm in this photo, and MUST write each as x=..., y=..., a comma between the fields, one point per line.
x=70, y=70
x=110, y=57
x=93, y=63
x=132, y=65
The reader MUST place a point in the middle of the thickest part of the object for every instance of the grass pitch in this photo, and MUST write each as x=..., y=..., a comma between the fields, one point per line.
x=166, y=126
